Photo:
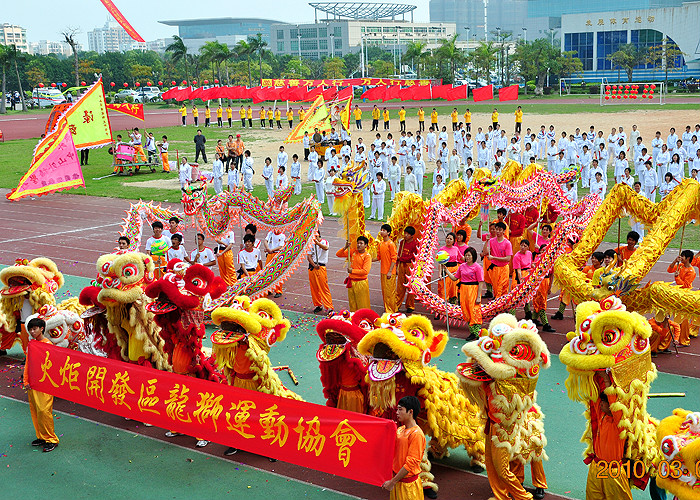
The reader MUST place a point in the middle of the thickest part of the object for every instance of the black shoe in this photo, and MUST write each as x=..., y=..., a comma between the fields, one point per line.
x=272, y=459
x=318, y=309
x=49, y=447
x=230, y=451
x=538, y=494
x=666, y=351
x=558, y=316
x=472, y=337
x=528, y=315
x=3, y=352
x=548, y=328
x=409, y=310
x=476, y=469
x=430, y=493
x=654, y=355
x=488, y=295
x=38, y=442
x=277, y=295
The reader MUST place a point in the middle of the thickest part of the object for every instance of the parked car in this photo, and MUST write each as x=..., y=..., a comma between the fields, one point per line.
x=122, y=95
x=149, y=94
x=47, y=97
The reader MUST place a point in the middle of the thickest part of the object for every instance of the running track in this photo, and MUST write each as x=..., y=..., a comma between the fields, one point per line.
x=75, y=230
x=32, y=125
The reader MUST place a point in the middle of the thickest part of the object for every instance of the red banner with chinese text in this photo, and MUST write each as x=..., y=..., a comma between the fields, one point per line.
x=329, y=82
x=116, y=14
x=135, y=110
x=339, y=442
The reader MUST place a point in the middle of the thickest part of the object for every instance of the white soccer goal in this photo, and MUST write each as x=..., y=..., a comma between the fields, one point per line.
x=636, y=93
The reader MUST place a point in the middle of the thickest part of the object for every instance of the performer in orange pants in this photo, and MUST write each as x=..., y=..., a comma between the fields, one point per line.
x=318, y=278
x=358, y=270
x=684, y=275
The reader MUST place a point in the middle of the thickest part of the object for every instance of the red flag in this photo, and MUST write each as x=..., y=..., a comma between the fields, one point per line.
x=457, y=93
x=346, y=93
x=312, y=94
x=483, y=93
x=406, y=94
x=135, y=110
x=421, y=92
x=122, y=20
x=393, y=92
x=330, y=93
x=508, y=93
x=441, y=91
x=297, y=93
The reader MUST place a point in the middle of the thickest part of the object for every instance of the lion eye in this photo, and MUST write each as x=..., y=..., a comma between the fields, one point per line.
x=611, y=336
x=417, y=333
x=105, y=267
x=263, y=314
x=199, y=282
x=585, y=325
x=130, y=270
x=522, y=352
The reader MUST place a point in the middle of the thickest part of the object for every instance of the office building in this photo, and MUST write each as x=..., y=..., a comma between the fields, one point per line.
x=112, y=38
x=11, y=34
x=226, y=30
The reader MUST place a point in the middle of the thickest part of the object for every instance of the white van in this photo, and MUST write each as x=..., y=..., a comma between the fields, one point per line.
x=47, y=97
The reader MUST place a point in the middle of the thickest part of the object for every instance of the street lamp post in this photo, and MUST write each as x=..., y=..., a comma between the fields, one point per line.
x=499, y=60
x=525, y=42
x=299, y=41
x=362, y=53
x=332, y=35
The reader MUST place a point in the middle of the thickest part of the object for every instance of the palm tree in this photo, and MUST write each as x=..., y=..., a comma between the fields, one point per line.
x=4, y=62
x=211, y=53
x=448, y=51
x=243, y=49
x=15, y=55
x=483, y=58
x=258, y=45
x=179, y=51
x=415, y=52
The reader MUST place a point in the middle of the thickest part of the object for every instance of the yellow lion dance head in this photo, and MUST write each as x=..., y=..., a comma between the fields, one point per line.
x=678, y=437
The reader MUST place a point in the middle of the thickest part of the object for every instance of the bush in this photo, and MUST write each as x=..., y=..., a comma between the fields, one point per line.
x=594, y=89
x=129, y=99
x=109, y=99
x=547, y=90
x=693, y=87
x=530, y=86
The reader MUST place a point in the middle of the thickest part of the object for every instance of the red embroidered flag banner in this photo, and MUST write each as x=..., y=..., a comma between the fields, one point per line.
x=122, y=20
x=282, y=82
x=509, y=93
x=339, y=442
x=483, y=93
x=135, y=110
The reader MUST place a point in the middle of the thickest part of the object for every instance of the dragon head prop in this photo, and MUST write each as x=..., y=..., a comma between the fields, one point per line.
x=509, y=349
x=63, y=328
x=343, y=331
x=351, y=180
x=678, y=437
x=28, y=276
x=611, y=282
x=184, y=289
x=194, y=196
x=121, y=276
x=398, y=341
x=260, y=319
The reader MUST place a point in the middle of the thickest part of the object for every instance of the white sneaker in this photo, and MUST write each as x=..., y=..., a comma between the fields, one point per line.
x=147, y=425
x=201, y=443
x=172, y=434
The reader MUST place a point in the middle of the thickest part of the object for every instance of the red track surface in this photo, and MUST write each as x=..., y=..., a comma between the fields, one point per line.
x=76, y=230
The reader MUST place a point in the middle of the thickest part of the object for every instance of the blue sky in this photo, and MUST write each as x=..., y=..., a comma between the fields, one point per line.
x=144, y=16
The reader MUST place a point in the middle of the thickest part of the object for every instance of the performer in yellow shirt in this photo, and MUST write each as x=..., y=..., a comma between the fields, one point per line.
x=375, y=118
x=207, y=115
x=434, y=119
x=242, y=114
x=494, y=117
x=262, y=116
x=270, y=116
x=358, y=117
x=455, y=116
x=229, y=115
x=402, y=119
x=278, y=118
x=220, y=116
x=421, y=119
x=518, y=120
x=301, y=113
x=249, y=116
x=385, y=116
x=290, y=117
x=183, y=113
x=195, y=115
x=468, y=120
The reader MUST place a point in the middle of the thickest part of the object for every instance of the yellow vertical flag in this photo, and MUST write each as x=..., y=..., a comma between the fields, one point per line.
x=88, y=120
x=316, y=117
x=345, y=115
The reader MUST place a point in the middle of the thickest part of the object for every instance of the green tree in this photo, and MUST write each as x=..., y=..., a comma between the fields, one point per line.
x=87, y=69
x=15, y=56
x=415, y=55
x=139, y=72
x=258, y=45
x=296, y=68
x=449, y=53
x=4, y=63
x=665, y=56
x=482, y=60
x=244, y=49
x=382, y=69
x=179, y=53
x=539, y=57
x=334, y=68
x=215, y=53
x=36, y=72
x=626, y=57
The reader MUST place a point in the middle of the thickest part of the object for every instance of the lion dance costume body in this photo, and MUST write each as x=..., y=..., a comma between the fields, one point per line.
x=678, y=437
x=343, y=368
x=242, y=344
x=400, y=350
x=610, y=371
x=177, y=305
x=500, y=376
x=131, y=333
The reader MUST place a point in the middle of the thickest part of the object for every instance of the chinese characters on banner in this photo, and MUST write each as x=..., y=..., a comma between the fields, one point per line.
x=88, y=120
x=287, y=82
x=343, y=443
x=135, y=110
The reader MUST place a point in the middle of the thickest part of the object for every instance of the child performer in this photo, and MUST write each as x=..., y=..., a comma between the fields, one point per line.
x=41, y=404
x=471, y=281
x=499, y=252
x=684, y=275
x=408, y=453
x=358, y=270
x=408, y=247
x=522, y=263
x=540, y=302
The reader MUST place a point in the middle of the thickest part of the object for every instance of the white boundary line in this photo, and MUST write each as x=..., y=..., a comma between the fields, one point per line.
x=282, y=476
x=61, y=232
